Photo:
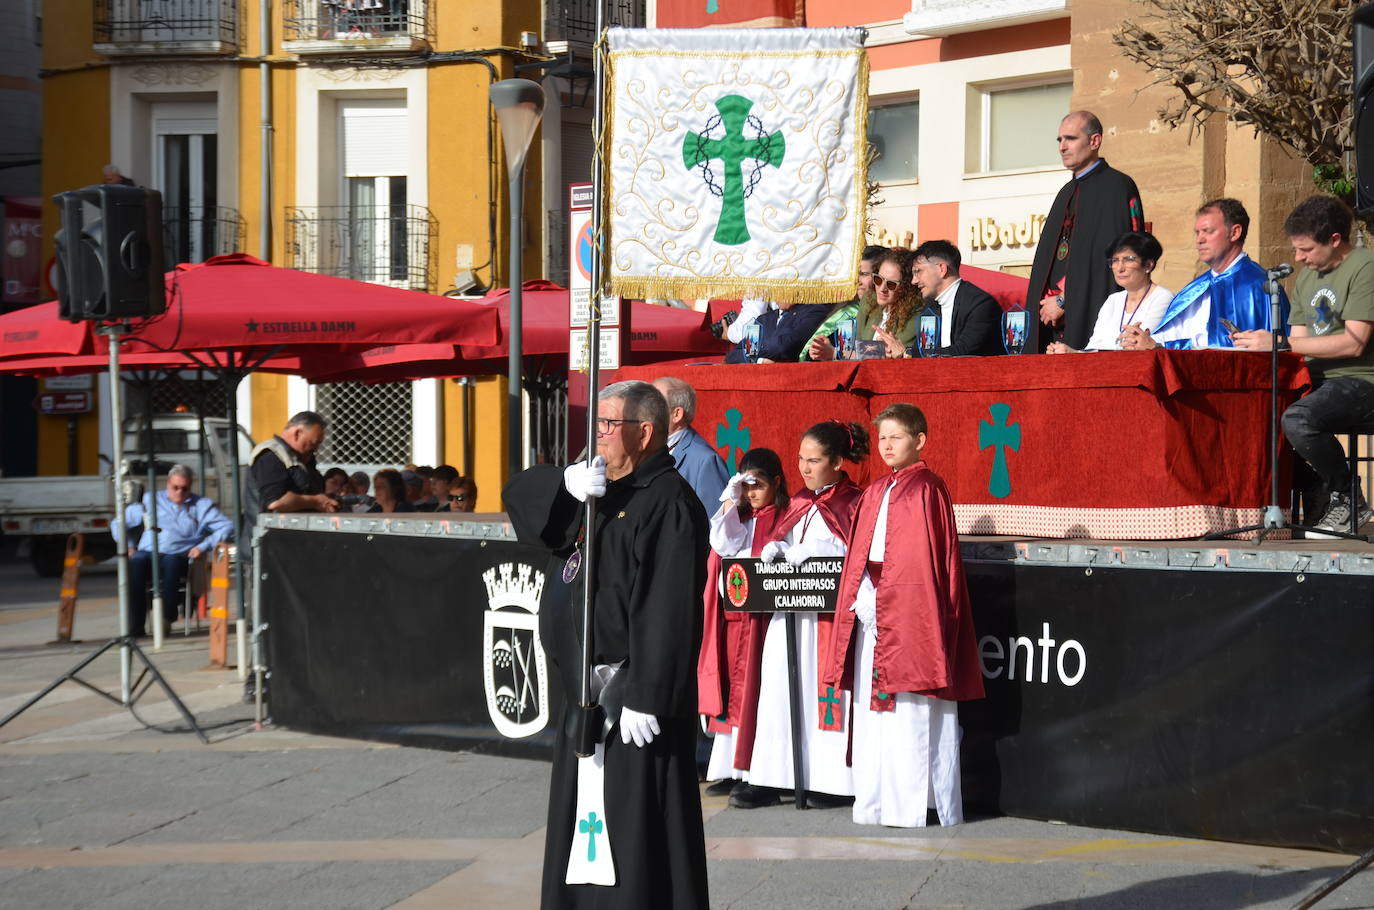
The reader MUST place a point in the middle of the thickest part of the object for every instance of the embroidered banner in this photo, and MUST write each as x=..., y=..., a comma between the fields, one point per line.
x=735, y=163
x=707, y=13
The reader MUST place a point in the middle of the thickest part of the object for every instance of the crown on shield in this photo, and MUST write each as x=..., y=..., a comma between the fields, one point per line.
x=512, y=583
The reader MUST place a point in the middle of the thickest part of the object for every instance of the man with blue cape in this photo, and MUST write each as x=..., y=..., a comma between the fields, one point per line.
x=1232, y=289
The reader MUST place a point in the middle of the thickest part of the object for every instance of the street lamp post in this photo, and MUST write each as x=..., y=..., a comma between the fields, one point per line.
x=519, y=105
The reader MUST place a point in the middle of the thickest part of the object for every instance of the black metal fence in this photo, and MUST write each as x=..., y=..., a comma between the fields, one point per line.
x=346, y=20
x=575, y=20
x=164, y=21
x=385, y=244
x=194, y=235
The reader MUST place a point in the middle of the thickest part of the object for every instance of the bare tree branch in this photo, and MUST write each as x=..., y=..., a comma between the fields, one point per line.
x=1281, y=66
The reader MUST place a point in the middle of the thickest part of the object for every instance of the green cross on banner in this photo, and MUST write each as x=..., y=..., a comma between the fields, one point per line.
x=732, y=433
x=1002, y=436
x=733, y=150
x=590, y=826
x=830, y=700
x=736, y=582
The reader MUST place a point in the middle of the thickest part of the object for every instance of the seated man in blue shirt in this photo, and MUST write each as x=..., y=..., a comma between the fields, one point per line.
x=188, y=525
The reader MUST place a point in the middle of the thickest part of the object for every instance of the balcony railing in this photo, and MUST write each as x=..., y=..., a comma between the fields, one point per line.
x=166, y=26
x=381, y=244
x=349, y=26
x=196, y=234
x=571, y=24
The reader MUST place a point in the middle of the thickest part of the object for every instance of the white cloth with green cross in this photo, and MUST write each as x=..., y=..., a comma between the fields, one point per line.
x=735, y=162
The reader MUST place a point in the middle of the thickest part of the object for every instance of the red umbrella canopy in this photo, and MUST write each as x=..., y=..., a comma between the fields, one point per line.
x=543, y=321
x=544, y=317
x=77, y=364
x=657, y=333
x=238, y=301
x=38, y=331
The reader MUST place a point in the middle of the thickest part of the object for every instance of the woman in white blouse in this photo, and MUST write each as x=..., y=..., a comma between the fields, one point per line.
x=1140, y=302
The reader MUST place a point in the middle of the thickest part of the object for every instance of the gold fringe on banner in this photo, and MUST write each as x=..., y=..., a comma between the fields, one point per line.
x=635, y=288
x=731, y=287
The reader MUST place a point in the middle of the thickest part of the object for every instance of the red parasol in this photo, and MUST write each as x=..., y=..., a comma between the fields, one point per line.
x=239, y=302
x=657, y=333
x=38, y=330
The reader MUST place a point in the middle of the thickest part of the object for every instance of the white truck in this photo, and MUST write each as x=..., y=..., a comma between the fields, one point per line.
x=47, y=509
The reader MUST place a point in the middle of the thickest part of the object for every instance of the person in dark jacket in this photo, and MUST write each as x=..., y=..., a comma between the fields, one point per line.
x=970, y=319
x=624, y=824
x=782, y=333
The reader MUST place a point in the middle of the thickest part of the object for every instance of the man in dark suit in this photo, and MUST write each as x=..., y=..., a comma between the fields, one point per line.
x=782, y=333
x=970, y=319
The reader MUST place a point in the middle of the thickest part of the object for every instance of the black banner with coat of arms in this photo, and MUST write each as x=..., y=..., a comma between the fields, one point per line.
x=409, y=639
x=1229, y=704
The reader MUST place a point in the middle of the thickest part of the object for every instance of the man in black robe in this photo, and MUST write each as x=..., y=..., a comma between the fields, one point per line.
x=1091, y=211
x=650, y=556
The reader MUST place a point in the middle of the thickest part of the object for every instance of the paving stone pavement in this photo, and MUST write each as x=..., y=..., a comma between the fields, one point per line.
x=102, y=808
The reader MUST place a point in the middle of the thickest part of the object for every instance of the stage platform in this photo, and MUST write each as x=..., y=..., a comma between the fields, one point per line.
x=1216, y=689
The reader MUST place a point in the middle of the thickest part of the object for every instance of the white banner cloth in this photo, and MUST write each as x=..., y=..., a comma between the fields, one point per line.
x=590, y=861
x=735, y=162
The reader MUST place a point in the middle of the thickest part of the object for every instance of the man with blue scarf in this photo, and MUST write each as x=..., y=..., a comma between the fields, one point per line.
x=1231, y=289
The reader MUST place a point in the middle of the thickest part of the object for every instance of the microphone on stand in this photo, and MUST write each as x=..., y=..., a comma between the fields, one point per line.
x=1280, y=271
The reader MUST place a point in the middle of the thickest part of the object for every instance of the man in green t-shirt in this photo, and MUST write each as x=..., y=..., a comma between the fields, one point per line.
x=1332, y=320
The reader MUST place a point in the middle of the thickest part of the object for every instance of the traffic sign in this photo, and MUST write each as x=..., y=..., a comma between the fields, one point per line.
x=63, y=403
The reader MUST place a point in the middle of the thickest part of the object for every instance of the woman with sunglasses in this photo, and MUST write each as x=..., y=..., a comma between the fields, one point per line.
x=891, y=309
x=895, y=301
x=1140, y=301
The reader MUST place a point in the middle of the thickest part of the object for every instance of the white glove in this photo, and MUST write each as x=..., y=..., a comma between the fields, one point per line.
x=750, y=310
x=734, y=490
x=865, y=607
x=775, y=550
x=799, y=554
x=582, y=480
x=642, y=728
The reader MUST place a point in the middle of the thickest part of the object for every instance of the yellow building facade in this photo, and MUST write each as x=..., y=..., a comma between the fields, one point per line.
x=385, y=165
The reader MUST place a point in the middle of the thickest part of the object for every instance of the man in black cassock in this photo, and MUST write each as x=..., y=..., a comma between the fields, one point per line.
x=650, y=554
x=1091, y=211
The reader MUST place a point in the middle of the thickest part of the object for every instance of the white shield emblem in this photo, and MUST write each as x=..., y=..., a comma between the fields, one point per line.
x=513, y=667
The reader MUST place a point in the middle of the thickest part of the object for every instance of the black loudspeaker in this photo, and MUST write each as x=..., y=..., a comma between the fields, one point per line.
x=109, y=254
x=1362, y=42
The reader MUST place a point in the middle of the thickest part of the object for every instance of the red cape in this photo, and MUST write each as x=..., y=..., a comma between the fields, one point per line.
x=926, y=643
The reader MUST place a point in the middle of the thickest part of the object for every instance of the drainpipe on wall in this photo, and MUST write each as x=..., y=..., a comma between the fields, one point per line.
x=265, y=142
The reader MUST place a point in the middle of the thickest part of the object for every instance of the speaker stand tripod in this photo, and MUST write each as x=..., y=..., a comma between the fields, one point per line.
x=150, y=672
x=129, y=693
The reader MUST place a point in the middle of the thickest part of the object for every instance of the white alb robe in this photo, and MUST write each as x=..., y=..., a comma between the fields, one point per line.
x=905, y=760
x=824, y=768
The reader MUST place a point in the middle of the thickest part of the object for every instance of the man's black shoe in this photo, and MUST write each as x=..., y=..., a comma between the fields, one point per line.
x=816, y=800
x=722, y=787
x=745, y=796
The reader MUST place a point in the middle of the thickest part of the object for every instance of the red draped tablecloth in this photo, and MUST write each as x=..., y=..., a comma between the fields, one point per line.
x=1114, y=445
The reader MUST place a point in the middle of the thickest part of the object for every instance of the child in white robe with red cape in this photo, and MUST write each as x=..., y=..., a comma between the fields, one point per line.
x=912, y=655
x=732, y=642
x=816, y=524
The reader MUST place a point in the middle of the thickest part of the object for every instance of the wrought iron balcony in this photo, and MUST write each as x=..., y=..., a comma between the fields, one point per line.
x=351, y=26
x=385, y=244
x=166, y=26
x=195, y=234
x=570, y=25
